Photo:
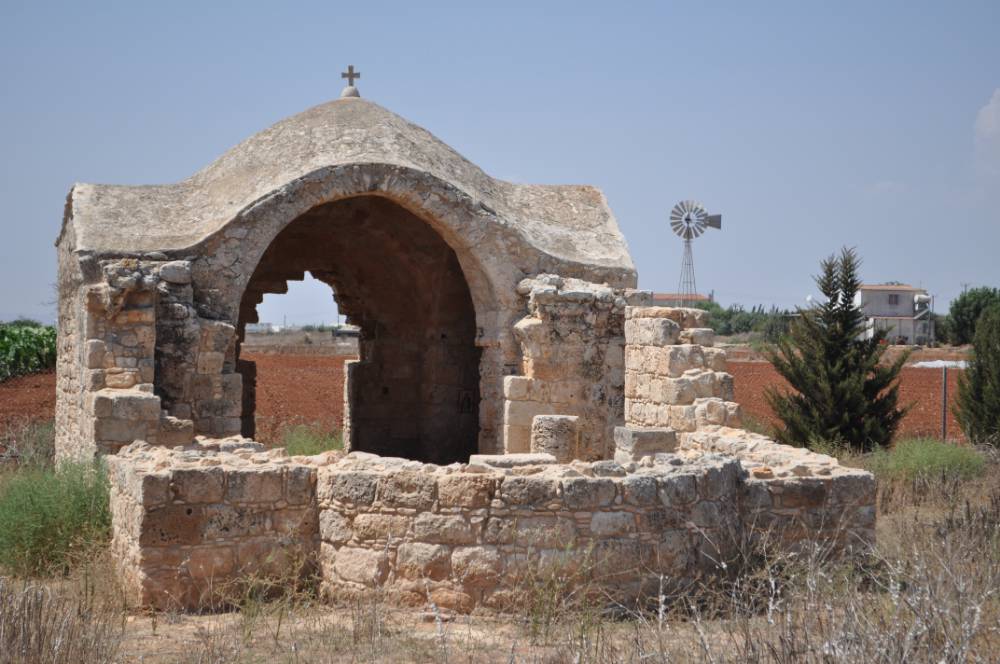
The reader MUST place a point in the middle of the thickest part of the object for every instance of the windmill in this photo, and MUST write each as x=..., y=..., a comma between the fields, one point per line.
x=688, y=220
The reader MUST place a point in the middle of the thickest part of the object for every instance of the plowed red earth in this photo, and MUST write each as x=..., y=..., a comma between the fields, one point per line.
x=27, y=398
x=919, y=387
x=309, y=388
x=292, y=389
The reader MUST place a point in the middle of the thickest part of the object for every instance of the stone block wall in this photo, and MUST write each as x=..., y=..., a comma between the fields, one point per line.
x=191, y=527
x=673, y=376
x=188, y=525
x=573, y=362
x=135, y=360
x=461, y=539
x=801, y=498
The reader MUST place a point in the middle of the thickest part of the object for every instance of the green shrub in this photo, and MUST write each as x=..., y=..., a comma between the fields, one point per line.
x=26, y=348
x=977, y=408
x=309, y=439
x=926, y=458
x=842, y=392
x=965, y=310
x=737, y=320
x=51, y=517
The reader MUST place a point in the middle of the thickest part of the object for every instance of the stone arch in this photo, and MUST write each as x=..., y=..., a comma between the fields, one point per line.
x=232, y=259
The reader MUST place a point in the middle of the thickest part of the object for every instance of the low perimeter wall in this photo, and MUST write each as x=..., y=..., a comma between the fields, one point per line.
x=191, y=525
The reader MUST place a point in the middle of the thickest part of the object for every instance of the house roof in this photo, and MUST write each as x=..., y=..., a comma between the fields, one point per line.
x=680, y=297
x=892, y=287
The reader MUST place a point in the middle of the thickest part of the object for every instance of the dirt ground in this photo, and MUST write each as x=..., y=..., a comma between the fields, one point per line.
x=300, y=388
x=27, y=398
x=920, y=388
x=293, y=389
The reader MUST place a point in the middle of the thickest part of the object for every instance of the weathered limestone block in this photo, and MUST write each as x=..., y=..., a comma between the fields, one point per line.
x=587, y=493
x=253, y=485
x=477, y=566
x=418, y=560
x=701, y=336
x=684, y=317
x=408, y=489
x=174, y=431
x=377, y=526
x=715, y=359
x=684, y=390
x=529, y=490
x=466, y=490
x=198, y=485
x=632, y=444
x=651, y=331
x=611, y=524
x=368, y=567
x=511, y=460
x=334, y=527
x=558, y=435
x=517, y=388
x=443, y=528
x=176, y=272
x=349, y=487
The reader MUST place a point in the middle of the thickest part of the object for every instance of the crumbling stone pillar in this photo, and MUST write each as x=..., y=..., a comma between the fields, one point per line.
x=673, y=377
x=572, y=346
x=558, y=435
x=633, y=444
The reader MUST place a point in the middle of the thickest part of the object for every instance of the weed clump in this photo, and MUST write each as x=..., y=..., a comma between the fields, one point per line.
x=926, y=459
x=51, y=517
x=309, y=439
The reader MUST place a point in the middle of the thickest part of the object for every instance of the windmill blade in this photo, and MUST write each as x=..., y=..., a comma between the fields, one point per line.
x=689, y=219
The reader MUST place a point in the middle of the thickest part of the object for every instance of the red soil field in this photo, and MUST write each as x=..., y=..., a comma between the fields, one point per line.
x=919, y=387
x=27, y=398
x=309, y=389
x=298, y=389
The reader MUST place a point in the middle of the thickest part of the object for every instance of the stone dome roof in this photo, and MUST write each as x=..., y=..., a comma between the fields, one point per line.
x=569, y=222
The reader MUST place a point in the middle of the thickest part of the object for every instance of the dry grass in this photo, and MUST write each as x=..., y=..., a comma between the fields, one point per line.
x=928, y=593
x=77, y=618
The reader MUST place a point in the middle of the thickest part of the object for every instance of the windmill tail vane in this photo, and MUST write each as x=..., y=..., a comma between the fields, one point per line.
x=688, y=220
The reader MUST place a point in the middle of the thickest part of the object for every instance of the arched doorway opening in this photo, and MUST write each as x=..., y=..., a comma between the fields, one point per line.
x=414, y=392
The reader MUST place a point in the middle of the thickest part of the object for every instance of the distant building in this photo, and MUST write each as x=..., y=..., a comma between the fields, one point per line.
x=679, y=299
x=903, y=311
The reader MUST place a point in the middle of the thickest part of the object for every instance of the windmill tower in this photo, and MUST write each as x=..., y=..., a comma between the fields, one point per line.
x=688, y=220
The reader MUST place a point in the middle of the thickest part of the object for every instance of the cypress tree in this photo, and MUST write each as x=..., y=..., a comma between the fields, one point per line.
x=977, y=407
x=842, y=392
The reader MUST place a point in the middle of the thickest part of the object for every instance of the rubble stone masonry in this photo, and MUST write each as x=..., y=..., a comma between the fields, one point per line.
x=495, y=318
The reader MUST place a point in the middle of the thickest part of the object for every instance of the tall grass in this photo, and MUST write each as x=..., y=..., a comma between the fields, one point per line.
x=52, y=517
x=309, y=439
x=40, y=625
x=926, y=459
x=28, y=443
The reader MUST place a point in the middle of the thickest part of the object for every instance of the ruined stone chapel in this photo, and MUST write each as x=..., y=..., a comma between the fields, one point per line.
x=514, y=391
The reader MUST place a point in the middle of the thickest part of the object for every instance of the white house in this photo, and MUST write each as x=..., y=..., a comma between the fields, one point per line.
x=902, y=310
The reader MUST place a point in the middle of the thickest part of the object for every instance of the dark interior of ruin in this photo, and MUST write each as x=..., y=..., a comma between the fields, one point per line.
x=415, y=391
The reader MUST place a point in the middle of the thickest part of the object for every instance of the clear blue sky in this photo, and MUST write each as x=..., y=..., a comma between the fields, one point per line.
x=808, y=125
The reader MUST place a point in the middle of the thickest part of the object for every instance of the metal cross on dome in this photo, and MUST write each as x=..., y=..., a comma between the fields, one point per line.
x=350, y=74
